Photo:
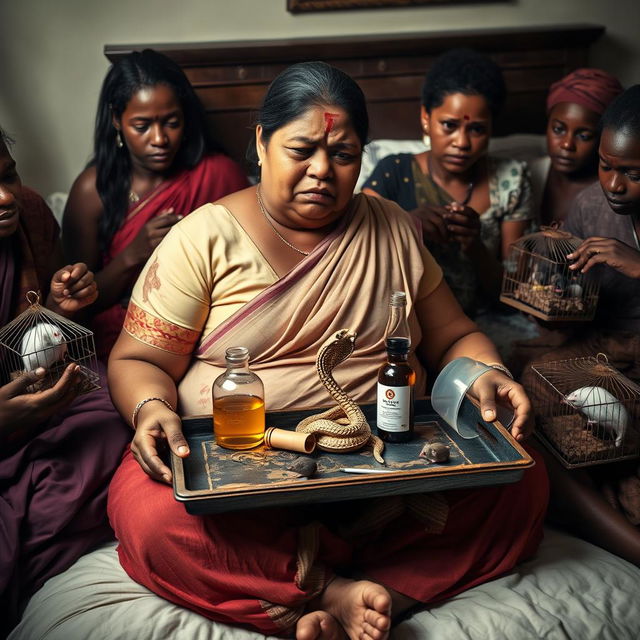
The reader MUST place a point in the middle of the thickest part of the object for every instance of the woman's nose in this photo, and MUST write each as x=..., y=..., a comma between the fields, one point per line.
x=158, y=135
x=567, y=143
x=7, y=196
x=462, y=139
x=320, y=166
x=615, y=183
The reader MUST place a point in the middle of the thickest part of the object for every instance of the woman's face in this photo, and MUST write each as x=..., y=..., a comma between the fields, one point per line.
x=572, y=137
x=152, y=128
x=10, y=193
x=310, y=167
x=619, y=170
x=459, y=129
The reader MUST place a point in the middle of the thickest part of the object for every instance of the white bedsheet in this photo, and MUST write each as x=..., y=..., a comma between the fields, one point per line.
x=571, y=589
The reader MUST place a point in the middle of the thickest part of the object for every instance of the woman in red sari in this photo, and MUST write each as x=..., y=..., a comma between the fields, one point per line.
x=151, y=167
x=288, y=263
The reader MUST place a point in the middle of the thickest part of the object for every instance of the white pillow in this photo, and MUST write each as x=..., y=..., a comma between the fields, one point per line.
x=376, y=150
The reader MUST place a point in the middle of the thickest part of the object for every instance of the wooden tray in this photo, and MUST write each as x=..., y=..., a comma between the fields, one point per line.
x=213, y=479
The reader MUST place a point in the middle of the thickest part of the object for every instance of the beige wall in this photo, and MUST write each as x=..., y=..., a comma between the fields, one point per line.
x=52, y=65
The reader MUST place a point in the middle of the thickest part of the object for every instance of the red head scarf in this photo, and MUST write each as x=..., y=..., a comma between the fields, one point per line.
x=591, y=88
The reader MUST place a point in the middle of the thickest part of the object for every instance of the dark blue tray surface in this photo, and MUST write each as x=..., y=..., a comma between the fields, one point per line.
x=213, y=479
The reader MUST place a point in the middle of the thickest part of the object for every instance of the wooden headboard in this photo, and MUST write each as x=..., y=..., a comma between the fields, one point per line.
x=231, y=77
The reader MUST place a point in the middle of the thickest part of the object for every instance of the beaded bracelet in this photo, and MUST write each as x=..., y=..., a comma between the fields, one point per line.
x=500, y=367
x=136, y=410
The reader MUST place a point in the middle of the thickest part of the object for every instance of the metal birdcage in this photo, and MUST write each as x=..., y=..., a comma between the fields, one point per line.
x=586, y=411
x=40, y=338
x=538, y=281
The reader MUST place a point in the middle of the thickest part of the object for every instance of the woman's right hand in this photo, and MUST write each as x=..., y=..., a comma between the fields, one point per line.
x=24, y=410
x=156, y=427
x=150, y=236
x=434, y=223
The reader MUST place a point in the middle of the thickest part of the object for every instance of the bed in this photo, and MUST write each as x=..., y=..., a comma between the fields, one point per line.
x=570, y=589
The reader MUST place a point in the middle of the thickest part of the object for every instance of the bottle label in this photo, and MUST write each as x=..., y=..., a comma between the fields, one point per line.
x=394, y=408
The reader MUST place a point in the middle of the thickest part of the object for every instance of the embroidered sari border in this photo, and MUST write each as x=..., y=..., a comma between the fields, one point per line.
x=159, y=333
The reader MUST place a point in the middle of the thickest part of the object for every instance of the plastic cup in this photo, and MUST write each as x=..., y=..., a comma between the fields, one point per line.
x=450, y=401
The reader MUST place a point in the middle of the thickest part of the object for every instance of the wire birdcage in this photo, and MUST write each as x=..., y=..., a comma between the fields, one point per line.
x=586, y=411
x=40, y=338
x=538, y=281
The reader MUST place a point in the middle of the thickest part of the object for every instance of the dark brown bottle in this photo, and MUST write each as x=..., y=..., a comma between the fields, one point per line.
x=396, y=381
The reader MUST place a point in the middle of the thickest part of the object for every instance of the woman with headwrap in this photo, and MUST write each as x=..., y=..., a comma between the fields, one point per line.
x=574, y=106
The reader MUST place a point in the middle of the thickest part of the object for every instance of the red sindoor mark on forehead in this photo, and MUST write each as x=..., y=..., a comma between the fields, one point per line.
x=329, y=120
x=466, y=117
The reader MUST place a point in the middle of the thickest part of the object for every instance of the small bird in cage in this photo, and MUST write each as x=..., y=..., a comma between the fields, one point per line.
x=559, y=284
x=543, y=284
x=574, y=290
x=539, y=274
x=601, y=408
x=43, y=345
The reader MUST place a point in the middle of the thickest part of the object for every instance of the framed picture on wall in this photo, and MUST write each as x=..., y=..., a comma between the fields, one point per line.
x=299, y=6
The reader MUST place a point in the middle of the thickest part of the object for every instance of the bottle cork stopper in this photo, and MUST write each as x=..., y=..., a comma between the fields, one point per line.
x=275, y=438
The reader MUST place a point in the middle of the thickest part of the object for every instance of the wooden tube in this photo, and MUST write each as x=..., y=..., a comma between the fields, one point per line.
x=275, y=438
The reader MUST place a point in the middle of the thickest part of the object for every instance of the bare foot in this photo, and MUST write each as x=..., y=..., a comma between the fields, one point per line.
x=363, y=608
x=319, y=625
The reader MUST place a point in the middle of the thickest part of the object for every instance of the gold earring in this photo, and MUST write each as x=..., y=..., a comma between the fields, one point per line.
x=119, y=142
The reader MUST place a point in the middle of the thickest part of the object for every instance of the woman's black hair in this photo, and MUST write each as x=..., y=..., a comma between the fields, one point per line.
x=126, y=77
x=464, y=71
x=309, y=84
x=623, y=114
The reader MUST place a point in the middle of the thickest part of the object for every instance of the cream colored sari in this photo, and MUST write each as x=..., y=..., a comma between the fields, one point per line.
x=344, y=283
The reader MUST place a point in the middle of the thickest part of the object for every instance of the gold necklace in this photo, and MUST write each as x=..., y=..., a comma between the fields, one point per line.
x=269, y=220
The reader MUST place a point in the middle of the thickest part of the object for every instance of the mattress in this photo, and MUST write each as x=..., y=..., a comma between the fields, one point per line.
x=571, y=589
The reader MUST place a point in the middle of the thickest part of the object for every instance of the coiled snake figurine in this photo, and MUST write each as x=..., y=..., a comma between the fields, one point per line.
x=343, y=428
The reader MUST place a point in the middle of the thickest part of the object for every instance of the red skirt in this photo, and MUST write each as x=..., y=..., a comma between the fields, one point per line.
x=259, y=568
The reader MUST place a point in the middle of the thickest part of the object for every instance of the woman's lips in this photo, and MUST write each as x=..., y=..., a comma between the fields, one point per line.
x=563, y=161
x=318, y=196
x=7, y=215
x=159, y=157
x=458, y=160
x=618, y=205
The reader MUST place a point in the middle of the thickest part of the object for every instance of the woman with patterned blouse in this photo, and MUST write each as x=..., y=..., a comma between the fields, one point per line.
x=472, y=206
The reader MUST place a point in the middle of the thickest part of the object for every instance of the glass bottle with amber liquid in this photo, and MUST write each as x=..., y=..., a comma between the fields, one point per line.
x=238, y=403
x=396, y=382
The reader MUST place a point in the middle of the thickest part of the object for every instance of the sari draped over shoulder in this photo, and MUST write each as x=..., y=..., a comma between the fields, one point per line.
x=344, y=283
x=53, y=480
x=212, y=178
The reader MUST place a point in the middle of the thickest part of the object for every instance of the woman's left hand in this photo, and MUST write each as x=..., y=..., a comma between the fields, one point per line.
x=496, y=388
x=463, y=224
x=72, y=288
x=616, y=254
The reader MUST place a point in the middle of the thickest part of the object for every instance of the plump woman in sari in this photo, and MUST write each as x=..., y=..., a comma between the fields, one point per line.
x=472, y=205
x=57, y=449
x=278, y=268
x=151, y=167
